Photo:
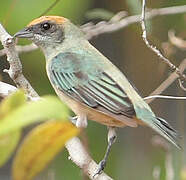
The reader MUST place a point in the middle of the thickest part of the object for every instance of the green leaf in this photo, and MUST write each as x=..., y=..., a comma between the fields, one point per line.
x=49, y=107
x=40, y=147
x=8, y=144
x=12, y=102
x=9, y=141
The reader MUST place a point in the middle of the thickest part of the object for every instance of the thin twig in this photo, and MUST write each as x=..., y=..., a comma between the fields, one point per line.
x=165, y=84
x=182, y=77
x=165, y=97
x=91, y=30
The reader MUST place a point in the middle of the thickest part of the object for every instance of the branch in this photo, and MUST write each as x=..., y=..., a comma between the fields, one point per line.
x=74, y=146
x=91, y=30
x=83, y=160
x=182, y=77
x=118, y=22
x=165, y=97
x=15, y=70
x=168, y=81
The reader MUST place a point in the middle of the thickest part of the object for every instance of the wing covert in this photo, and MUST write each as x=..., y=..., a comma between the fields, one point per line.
x=80, y=78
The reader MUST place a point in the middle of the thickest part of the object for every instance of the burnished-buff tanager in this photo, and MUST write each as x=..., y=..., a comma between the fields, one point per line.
x=87, y=81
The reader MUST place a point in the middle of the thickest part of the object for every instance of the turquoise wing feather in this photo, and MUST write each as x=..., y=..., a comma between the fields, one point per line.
x=83, y=78
x=88, y=83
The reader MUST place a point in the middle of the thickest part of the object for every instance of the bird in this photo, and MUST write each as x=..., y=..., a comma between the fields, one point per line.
x=89, y=83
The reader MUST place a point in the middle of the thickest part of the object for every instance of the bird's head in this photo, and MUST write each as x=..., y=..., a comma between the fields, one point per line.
x=50, y=31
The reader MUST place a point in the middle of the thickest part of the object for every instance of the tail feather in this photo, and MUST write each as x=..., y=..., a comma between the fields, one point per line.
x=168, y=130
x=158, y=124
x=168, y=127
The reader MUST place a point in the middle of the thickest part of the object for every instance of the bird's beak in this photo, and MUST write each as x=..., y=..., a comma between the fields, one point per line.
x=24, y=33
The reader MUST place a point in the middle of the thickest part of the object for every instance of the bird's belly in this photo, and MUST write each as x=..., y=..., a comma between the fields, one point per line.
x=92, y=114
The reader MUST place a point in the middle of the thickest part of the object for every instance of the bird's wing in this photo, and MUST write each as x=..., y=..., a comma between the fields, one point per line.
x=84, y=81
x=99, y=83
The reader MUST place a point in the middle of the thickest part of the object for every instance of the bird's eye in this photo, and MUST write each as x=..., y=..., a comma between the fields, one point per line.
x=46, y=26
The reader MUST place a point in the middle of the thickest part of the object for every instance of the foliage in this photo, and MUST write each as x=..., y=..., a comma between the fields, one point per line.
x=41, y=145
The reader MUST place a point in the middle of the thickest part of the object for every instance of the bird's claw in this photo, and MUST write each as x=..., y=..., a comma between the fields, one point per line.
x=73, y=119
x=101, y=167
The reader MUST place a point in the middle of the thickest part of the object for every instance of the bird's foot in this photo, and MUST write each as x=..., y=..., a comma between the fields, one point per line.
x=81, y=121
x=101, y=167
x=73, y=119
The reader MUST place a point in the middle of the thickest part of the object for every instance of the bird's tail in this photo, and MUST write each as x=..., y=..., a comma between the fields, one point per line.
x=158, y=124
x=168, y=131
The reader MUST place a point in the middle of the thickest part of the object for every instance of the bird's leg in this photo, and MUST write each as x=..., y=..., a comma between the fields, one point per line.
x=111, y=139
x=79, y=121
x=73, y=119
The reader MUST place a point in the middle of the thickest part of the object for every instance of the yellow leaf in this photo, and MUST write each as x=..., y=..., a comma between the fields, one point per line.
x=39, y=148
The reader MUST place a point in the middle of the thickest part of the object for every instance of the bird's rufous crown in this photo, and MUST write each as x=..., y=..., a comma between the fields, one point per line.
x=57, y=19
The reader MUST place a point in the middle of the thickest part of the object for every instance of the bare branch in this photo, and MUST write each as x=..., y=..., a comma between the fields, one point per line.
x=165, y=97
x=91, y=30
x=76, y=150
x=181, y=84
x=168, y=81
x=83, y=159
x=182, y=77
x=15, y=70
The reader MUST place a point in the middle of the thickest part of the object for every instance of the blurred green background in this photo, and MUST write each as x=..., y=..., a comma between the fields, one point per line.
x=133, y=157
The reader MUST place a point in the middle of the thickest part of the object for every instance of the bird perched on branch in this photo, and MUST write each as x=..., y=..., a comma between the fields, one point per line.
x=88, y=82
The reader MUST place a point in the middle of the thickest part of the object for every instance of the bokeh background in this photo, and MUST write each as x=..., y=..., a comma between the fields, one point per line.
x=133, y=157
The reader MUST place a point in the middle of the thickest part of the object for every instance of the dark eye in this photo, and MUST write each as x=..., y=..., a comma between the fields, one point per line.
x=46, y=26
